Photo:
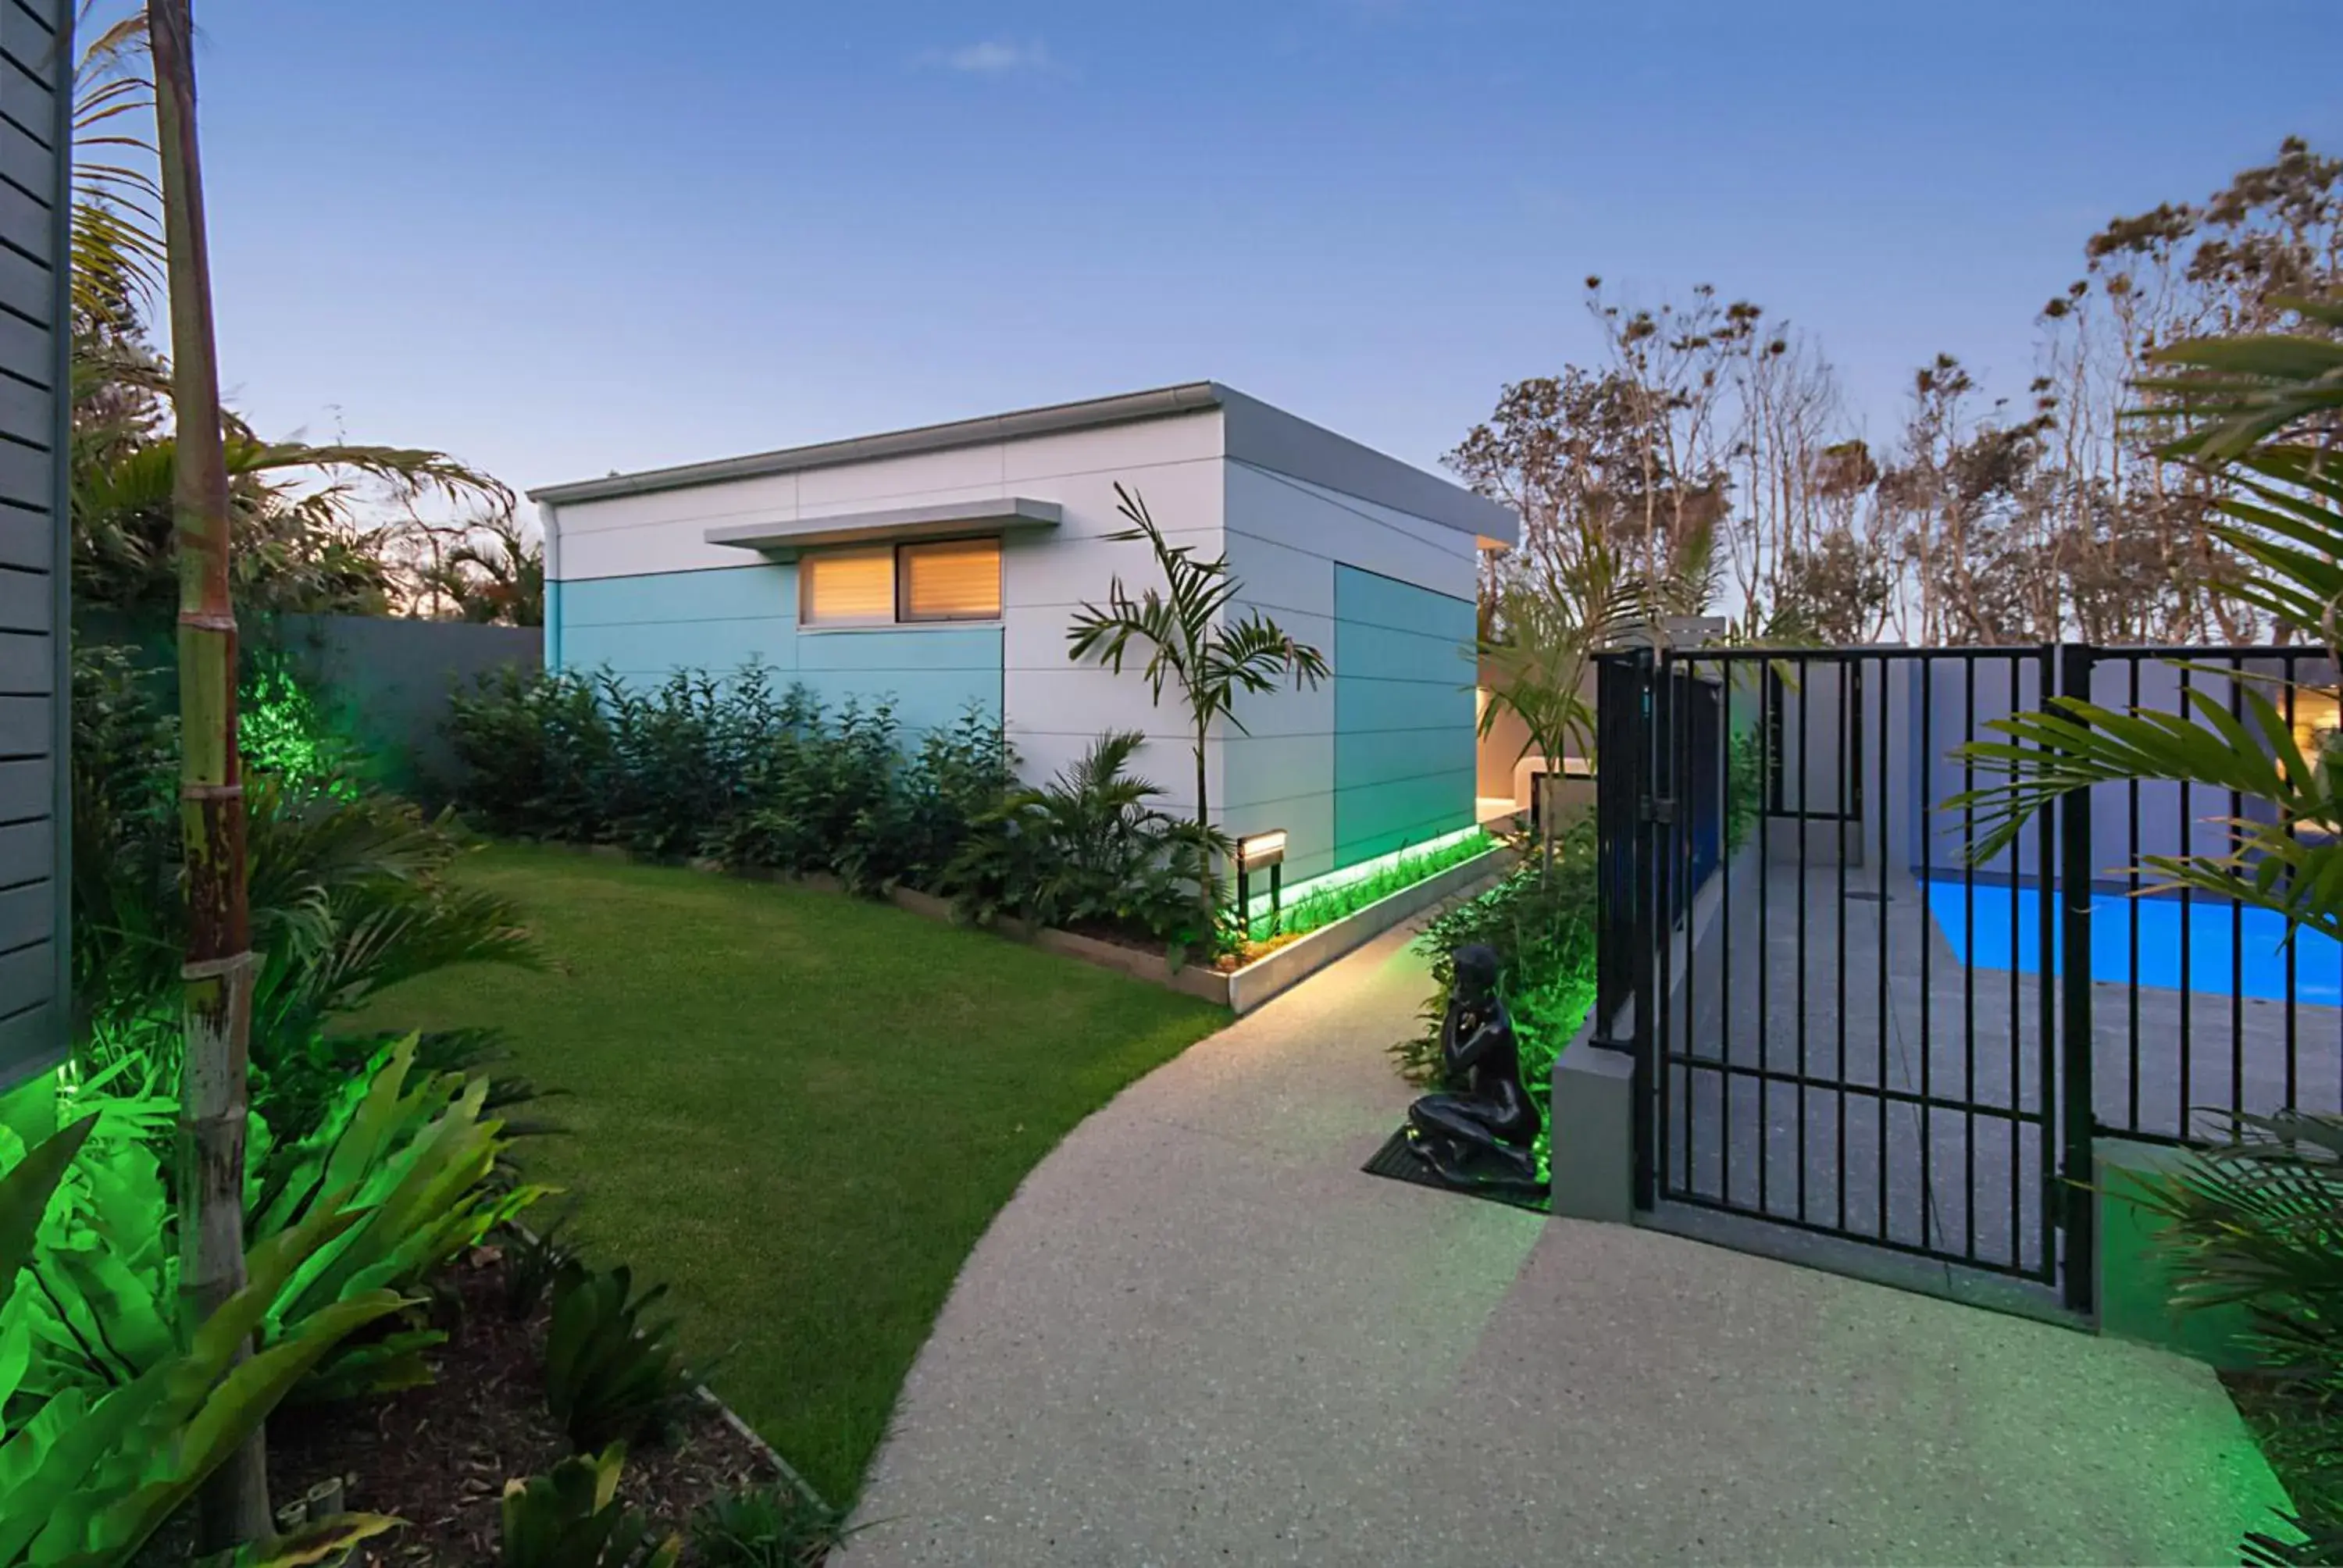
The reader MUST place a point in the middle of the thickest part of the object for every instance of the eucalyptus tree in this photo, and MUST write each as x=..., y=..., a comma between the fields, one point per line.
x=2261, y=413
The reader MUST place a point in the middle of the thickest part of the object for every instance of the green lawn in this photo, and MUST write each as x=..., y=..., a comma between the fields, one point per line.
x=801, y=1109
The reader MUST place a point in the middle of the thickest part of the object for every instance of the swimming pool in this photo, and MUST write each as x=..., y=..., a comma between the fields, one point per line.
x=2217, y=933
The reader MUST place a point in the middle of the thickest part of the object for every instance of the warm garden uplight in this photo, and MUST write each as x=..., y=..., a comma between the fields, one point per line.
x=1260, y=852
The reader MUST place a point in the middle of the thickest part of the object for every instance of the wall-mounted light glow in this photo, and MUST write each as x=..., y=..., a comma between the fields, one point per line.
x=2317, y=717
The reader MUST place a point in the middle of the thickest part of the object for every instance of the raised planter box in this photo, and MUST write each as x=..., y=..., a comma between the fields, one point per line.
x=1240, y=990
x=1263, y=978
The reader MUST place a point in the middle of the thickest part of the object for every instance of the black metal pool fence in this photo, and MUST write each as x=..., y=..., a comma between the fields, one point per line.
x=1841, y=1023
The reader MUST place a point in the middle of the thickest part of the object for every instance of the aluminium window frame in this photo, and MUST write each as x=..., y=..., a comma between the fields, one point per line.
x=903, y=616
x=897, y=618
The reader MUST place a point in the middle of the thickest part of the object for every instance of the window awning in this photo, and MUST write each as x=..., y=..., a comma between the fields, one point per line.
x=1008, y=514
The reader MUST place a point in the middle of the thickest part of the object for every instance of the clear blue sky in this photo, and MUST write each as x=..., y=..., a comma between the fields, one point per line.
x=560, y=238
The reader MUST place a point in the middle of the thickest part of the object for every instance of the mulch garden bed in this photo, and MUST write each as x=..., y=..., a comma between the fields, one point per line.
x=439, y=1456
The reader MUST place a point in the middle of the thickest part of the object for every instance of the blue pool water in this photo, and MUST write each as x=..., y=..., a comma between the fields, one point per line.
x=2010, y=937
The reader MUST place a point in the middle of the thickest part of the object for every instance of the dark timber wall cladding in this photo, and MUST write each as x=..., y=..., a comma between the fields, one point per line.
x=36, y=99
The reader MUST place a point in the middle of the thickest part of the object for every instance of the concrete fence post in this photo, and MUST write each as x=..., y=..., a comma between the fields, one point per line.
x=1592, y=1128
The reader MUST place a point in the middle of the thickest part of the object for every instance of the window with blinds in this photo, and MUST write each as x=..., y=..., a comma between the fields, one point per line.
x=846, y=587
x=958, y=579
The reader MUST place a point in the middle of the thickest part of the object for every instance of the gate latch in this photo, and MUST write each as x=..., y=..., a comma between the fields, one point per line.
x=1657, y=809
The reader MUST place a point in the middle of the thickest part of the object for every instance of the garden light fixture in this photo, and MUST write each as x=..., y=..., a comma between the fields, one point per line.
x=1260, y=851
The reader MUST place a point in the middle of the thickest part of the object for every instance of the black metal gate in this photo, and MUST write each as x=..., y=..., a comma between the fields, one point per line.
x=1848, y=1031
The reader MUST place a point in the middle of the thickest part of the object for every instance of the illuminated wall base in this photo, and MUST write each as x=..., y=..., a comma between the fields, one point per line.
x=1297, y=893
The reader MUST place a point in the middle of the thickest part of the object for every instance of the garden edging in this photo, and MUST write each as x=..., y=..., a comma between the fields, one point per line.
x=1239, y=991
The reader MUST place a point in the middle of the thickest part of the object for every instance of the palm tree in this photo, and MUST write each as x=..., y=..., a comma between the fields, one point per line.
x=1192, y=644
x=300, y=542
x=495, y=577
x=293, y=509
x=118, y=248
x=1545, y=629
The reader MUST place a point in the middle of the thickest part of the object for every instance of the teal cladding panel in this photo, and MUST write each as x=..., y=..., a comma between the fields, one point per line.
x=1403, y=715
x=643, y=629
x=766, y=591
x=1365, y=706
x=1366, y=598
x=931, y=678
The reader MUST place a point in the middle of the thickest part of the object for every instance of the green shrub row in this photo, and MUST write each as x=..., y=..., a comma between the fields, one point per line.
x=764, y=778
x=735, y=769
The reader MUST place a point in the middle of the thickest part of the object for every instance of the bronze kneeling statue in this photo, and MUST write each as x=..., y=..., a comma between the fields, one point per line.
x=1481, y=1129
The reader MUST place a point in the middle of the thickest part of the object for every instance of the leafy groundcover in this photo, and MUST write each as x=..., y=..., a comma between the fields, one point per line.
x=438, y=1457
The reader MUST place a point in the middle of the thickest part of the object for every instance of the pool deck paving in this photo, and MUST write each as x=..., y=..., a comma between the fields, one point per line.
x=1198, y=1333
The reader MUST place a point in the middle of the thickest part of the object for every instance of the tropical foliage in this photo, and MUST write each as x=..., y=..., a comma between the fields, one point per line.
x=492, y=574
x=572, y=1518
x=2258, y=1220
x=410, y=1154
x=331, y=526
x=1540, y=920
x=1195, y=644
x=1331, y=898
x=87, y=1477
x=610, y=1375
x=2262, y=408
x=1087, y=852
x=348, y=890
x=766, y=1527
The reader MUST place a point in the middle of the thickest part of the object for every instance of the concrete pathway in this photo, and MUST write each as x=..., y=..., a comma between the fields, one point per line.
x=1200, y=1334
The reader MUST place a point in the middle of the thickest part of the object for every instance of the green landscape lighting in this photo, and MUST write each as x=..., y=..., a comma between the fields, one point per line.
x=1364, y=871
x=282, y=729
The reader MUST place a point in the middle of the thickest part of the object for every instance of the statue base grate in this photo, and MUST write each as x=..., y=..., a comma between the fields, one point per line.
x=1398, y=1162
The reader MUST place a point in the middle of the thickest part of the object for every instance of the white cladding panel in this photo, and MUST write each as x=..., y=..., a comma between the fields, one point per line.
x=1055, y=707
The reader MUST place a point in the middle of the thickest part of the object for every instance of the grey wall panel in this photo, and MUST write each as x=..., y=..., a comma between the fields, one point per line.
x=28, y=38
x=26, y=602
x=26, y=850
x=28, y=976
x=22, y=159
x=36, y=874
x=26, y=473
x=25, y=914
x=27, y=663
x=25, y=285
x=28, y=349
x=26, y=728
x=26, y=411
x=27, y=536
x=24, y=99
x=26, y=1034
x=27, y=792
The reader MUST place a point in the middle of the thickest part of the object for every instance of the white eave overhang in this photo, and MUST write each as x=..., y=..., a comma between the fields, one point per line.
x=1004, y=514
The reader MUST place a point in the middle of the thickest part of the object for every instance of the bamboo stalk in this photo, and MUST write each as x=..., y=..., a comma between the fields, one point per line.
x=233, y=1506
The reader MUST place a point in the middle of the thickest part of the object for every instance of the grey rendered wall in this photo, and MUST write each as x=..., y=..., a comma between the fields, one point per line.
x=35, y=93
x=1918, y=709
x=390, y=678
